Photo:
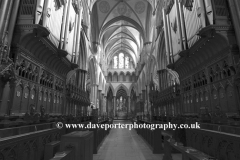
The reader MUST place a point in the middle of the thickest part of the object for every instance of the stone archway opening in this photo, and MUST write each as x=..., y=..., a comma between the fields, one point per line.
x=121, y=110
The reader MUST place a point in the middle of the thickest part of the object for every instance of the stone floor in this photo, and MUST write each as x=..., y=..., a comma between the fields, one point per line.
x=123, y=144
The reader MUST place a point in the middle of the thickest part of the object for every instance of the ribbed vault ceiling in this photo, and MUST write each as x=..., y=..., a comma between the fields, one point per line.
x=121, y=26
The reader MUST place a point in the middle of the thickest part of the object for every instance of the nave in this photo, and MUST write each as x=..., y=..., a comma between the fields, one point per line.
x=97, y=61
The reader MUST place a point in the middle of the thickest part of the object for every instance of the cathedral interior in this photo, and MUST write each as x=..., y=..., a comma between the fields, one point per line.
x=106, y=62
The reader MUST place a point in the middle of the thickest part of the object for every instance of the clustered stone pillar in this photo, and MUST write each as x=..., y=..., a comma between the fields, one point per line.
x=129, y=105
x=234, y=6
x=3, y=15
x=114, y=106
x=94, y=93
x=8, y=16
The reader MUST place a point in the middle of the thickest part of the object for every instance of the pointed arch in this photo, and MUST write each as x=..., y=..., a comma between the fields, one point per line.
x=115, y=77
x=110, y=76
x=133, y=87
x=107, y=88
x=128, y=77
x=123, y=86
x=121, y=77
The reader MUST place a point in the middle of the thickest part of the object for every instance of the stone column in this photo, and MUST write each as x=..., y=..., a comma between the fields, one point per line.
x=2, y=86
x=144, y=101
x=104, y=103
x=182, y=22
x=99, y=101
x=147, y=98
x=94, y=94
x=3, y=14
x=67, y=23
x=79, y=29
x=234, y=6
x=63, y=25
x=166, y=36
x=5, y=32
x=107, y=104
x=114, y=106
x=170, y=40
x=179, y=24
x=129, y=104
x=74, y=54
x=8, y=16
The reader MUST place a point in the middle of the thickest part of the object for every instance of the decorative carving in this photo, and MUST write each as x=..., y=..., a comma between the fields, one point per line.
x=4, y=49
x=42, y=110
x=210, y=142
x=34, y=146
x=26, y=148
x=140, y=7
x=104, y=7
x=12, y=155
x=7, y=72
x=32, y=109
x=122, y=8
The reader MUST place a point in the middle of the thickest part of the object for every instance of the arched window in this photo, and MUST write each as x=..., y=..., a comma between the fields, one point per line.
x=121, y=61
x=115, y=62
x=126, y=62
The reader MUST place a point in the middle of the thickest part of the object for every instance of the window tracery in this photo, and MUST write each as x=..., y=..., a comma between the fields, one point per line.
x=121, y=61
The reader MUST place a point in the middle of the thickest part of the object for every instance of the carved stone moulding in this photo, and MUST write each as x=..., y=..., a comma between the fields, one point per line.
x=62, y=53
x=104, y=6
x=38, y=30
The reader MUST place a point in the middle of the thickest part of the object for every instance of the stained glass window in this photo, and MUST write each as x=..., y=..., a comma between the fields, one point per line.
x=126, y=62
x=121, y=60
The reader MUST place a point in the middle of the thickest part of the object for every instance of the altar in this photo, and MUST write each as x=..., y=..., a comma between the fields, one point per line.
x=121, y=109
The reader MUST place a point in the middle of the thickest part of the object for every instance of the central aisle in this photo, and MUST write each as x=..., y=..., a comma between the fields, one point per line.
x=123, y=144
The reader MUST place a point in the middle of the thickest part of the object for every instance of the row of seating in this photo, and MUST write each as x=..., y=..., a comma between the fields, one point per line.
x=211, y=141
x=78, y=144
